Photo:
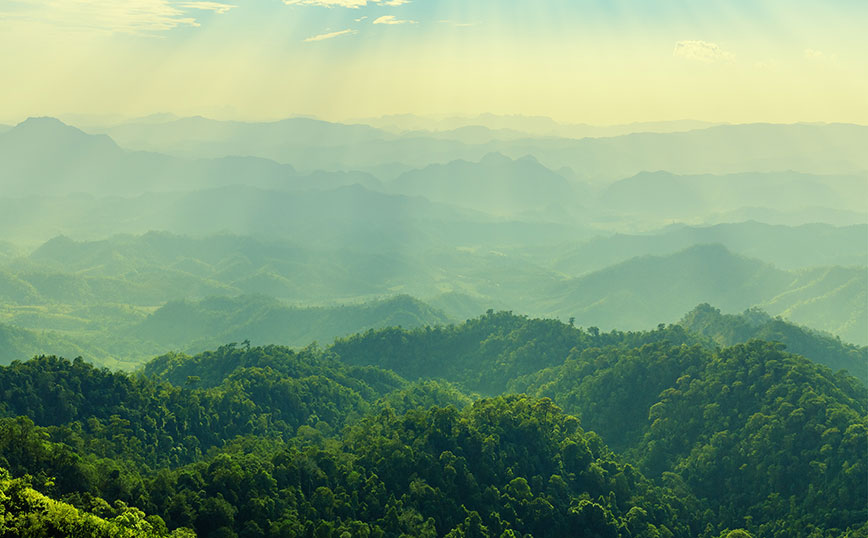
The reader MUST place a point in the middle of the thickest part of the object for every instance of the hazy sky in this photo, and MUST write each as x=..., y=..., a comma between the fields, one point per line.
x=593, y=61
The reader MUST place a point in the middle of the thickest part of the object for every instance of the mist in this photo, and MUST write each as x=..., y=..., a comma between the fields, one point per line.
x=453, y=268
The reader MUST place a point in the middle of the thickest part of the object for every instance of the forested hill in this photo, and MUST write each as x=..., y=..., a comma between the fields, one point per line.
x=509, y=466
x=752, y=431
x=728, y=329
x=486, y=354
x=492, y=352
x=26, y=512
x=266, y=441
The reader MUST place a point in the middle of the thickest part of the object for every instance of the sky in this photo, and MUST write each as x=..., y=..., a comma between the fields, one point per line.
x=577, y=61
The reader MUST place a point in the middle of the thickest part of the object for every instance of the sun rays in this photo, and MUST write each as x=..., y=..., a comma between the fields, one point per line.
x=584, y=60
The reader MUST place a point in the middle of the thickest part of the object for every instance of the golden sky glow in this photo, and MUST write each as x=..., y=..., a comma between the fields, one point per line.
x=574, y=60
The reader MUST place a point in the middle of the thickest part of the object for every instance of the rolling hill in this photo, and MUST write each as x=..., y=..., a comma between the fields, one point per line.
x=687, y=197
x=198, y=325
x=647, y=290
x=787, y=247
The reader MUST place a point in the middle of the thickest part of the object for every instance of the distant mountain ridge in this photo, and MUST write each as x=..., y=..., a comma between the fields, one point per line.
x=702, y=149
x=496, y=184
x=44, y=156
x=787, y=247
x=686, y=196
x=195, y=135
x=522, y=125
x=655, y=289
x=722, y=149
x=644, y=289
x=42, y=159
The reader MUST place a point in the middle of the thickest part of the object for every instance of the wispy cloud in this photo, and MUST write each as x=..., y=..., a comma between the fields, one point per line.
x=216, y=7
x=391, y=19
x=329, y=35
x=702, y=51
x=327, y=3
x=815, y=55
x=110, y=16
x=345, y=3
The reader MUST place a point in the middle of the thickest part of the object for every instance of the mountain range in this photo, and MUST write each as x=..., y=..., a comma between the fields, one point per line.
x=718, y=149
x=58, y=179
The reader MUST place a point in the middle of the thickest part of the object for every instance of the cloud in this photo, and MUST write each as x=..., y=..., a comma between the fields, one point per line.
x=328, y=3
x=353, y=4
x=819, y=56
x=702, y=51
x=216, y=7
x=329, y=35
x=391, y=19
x=344, y=3
x=110, y=16
x=360, y=19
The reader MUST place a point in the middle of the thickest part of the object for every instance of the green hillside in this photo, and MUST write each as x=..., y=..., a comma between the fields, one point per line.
x=267, y=441
x=21, y=344
x=822, y=348
x=833, y=299
x=648, y=290
x=260, y=320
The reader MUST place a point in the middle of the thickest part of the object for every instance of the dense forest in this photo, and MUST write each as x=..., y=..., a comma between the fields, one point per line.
x=433, y=269
x=502, y=426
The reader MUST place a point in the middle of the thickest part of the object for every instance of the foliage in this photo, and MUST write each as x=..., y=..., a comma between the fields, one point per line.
x=485, y=354
x=727, y=330
x=155, y=422
x=268, y=441
x=26, y=512
x=758, y=434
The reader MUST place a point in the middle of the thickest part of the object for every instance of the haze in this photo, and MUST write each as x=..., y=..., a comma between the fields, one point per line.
x=434, y=268
x=100, y=61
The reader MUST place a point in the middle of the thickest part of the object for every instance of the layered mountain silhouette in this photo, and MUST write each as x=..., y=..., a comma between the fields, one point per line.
x=647, y=290
x=496, y=184
x=653, y=193
x=689, y=147
x=787, y=247
x=43, y=156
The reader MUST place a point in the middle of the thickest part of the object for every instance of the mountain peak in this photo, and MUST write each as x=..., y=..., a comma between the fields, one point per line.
x=495, y=158
x=529, y=159
x=44, y=133
x=40, y=122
